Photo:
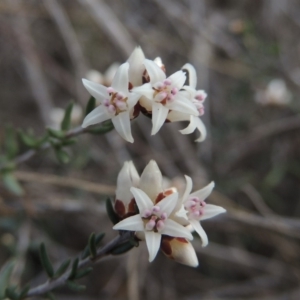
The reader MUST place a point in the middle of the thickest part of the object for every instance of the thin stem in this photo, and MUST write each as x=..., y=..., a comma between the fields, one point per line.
x=106, y=250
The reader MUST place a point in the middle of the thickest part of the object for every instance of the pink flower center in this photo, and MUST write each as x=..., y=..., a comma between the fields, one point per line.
x=117, y=102
x=195, y=207
x=198, y=101
x=164, y=92
x=154, y=219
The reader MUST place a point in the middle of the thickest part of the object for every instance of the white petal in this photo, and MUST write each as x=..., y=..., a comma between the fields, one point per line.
x=134, y=223
x=122, y=125
x=188, y=189
x=168, y=204
x=120, y=81
x=172, y=228
x=181, y=213
x=145, y=90
x=133, y=98
x=97, y=90
x=153, y=243
x=155, y=73
x=177, y=79
x=201, y=127
x=151, y=180
x=142, y=200
x=127, y=178
x=159, y=115
x=183, y=105
x=98, y=115
x=211, y=211
x=190, y=128
x=136, y=66
x=204, y=192
x=176, y=116
x=191, y=75
x=198, y=228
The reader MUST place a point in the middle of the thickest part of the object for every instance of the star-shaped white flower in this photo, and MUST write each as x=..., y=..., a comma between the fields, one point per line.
x=194, y=208
x=116, y=101
x=153, y=220
x=197, y=97
x=161, y=95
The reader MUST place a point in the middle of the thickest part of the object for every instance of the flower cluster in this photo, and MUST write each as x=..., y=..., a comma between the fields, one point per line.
x=162, y=217
x=141, y=85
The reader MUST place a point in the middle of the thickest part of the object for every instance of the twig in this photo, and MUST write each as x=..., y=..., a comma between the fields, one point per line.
x=106, y=250
x=30, y=153
x=92, y=187
x=110, y=24
x=31, y=63
x=61, y=18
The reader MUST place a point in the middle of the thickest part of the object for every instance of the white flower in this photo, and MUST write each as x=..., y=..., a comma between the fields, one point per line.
x=116, y=101
x=161, y=95
x=153, y=220
x=197, y=97
x=105, y=78
x=128, y=177
x=194, y=208
x=155, y=207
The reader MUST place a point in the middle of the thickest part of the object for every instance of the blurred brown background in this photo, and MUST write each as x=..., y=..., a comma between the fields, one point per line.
x=246, y=54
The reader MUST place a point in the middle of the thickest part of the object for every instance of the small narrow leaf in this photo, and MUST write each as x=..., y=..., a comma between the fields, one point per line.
x=99, y=238
x=92, y=245
x=24, y=291
x=62, y=269
x=83, y=273
x=111, y=212
x=62, y=155
x=50, y=296
x=75, y=287
x=66, y=122
x=74, y=269
x=27, y=139
x=58, y=134
x=46, y=261
x=69, y=142
x=90, y=105
x=12, y=184
x=5, y=274
x=11, y=143
x=122, y=248
x=11, y=293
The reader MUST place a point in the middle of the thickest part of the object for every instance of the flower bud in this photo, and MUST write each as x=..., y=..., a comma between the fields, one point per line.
x=127, y=178
x=180, y=250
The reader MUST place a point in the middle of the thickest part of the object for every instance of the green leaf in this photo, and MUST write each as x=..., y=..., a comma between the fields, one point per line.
x=11, y=293
x=62, y=155
x=69, y=142
x=24, y=291
x=75, y=287
x=83, y=273
x=111, y=212
x=66, y=122
x=122, y=248
x=104, y=128
x=74, y=269
x=62, y=269
x=46, y=261
x=5, y=274
x=50, y=296
x=58, y=134
x=92, y=245
x=11, y=143
x=99, y=238
x=27, y=139
x=12, y=184
x=90, y=105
